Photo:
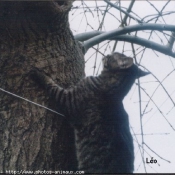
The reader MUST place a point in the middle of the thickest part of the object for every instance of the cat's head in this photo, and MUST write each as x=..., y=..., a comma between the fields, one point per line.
x=124, y=71
x=117, y=61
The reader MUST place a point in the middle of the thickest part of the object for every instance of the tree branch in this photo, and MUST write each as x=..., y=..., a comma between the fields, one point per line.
x=171, y=40
x=85, y=36
x=146, y=43
x=111, y=34
x=96, y=37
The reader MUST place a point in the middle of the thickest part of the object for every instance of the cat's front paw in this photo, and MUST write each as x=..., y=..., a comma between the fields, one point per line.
x=39, y=76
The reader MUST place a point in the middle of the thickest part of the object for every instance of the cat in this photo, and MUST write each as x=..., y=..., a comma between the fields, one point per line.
x=94, y=108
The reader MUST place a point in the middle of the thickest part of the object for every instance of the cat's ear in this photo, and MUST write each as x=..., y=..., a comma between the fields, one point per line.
x=123, y=62
x=105, y=62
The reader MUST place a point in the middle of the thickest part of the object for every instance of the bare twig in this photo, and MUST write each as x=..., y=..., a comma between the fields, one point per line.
x=141, y=152
x=156, y=153
x=124, y=21
x=156, y=16
x=126, y=13
x=154, y=134
x=160, y=84
x=140, y=110
x=158, y=108
x=155, y=22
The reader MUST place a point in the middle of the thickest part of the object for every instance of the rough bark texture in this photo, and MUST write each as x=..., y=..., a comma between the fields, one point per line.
x=35, y=34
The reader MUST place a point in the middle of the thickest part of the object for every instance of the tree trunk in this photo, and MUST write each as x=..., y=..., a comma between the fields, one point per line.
x=36, y=34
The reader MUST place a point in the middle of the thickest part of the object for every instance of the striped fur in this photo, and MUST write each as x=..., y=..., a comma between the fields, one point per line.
x=94, y=107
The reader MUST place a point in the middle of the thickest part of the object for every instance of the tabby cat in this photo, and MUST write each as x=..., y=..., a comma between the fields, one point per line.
x=94, y=108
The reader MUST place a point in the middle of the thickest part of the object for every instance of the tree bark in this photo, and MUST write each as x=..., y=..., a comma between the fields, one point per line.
x=36, y=34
